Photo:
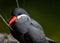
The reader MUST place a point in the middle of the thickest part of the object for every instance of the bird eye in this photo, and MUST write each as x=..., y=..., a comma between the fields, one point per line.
x=19, y=14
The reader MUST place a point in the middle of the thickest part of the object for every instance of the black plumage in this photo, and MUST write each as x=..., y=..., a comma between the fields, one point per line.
x=26, y=29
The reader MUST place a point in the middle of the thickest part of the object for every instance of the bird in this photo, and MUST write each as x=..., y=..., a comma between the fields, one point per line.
x=26, y=29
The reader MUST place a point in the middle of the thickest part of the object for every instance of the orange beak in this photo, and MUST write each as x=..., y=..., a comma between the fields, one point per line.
x=13, y=19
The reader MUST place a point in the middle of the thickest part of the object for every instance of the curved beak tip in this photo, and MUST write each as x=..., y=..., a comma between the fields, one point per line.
x=12, y=20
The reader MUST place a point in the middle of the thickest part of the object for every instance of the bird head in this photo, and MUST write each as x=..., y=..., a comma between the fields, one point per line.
x=17, y=14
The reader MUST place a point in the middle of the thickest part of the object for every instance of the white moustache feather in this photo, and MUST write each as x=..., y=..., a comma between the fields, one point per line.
x=23, y=15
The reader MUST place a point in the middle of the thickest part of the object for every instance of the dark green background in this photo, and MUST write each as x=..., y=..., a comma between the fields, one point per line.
x=46, y=12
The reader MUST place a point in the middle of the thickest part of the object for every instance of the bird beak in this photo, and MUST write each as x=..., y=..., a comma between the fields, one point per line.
x=12, y=20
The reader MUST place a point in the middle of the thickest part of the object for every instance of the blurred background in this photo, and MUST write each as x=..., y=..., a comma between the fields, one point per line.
x=46, y=12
